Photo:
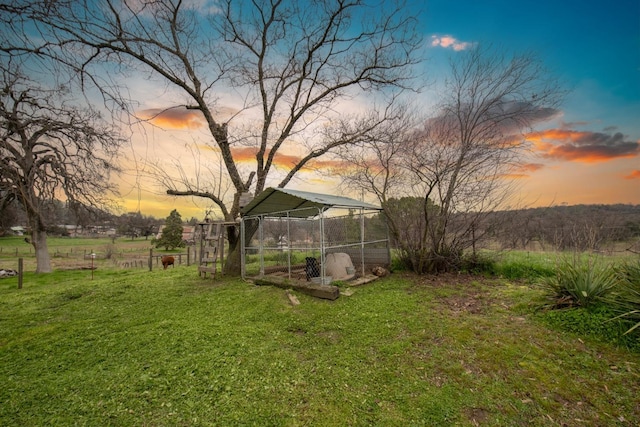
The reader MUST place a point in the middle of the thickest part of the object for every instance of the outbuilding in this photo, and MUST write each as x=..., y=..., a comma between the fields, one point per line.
x=303, y=236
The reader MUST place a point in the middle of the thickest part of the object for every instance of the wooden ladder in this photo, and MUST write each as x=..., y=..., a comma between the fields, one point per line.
x=211, y=247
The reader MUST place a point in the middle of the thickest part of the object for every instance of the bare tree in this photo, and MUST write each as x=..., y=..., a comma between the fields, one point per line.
x=458, y=161
x=50, y=149
x=289, y=62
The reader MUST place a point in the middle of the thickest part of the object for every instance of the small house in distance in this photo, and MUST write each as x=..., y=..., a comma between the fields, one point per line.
x=303, y=236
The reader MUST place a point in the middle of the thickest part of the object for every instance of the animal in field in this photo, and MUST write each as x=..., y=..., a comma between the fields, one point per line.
x=167, y=261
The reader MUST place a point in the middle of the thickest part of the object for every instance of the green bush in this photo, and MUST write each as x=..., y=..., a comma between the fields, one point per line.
x=580, y=283
x=398, y=263
x=479, y=263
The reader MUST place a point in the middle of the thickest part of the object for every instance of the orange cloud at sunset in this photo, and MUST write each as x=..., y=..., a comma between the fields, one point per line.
x=582, y=146
x=524, y=171
x=333, y=164
x=531, y=167
x=244, y=154
x=177, y=118
x=286, y=160
x=633, y=175
x=248, y=154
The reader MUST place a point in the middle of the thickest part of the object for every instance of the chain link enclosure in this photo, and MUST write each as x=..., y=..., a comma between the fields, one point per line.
x=294, y=244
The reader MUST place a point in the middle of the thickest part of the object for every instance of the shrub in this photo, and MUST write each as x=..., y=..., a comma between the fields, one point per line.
x=580, y=283
x=109, y=250
x=479, y=263
x=398, y=263
x=171, y=236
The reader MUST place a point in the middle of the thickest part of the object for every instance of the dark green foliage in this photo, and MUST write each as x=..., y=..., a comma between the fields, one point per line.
x=171, y=236
x=626, y=299
x=580, y=283
x=596, y=321
x=599, y=300
x=479, y=263
x=523, y=270
x=396, y=263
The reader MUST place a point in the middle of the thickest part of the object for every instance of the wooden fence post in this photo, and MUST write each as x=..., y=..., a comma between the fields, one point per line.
x=20, y=269
x=151, y=259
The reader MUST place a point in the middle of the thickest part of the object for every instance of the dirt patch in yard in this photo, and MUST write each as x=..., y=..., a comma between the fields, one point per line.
x=460, y=293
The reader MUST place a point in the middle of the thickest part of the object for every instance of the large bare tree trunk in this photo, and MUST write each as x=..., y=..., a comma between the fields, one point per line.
x=232, y=265
x=51, y=147
x=43, y=259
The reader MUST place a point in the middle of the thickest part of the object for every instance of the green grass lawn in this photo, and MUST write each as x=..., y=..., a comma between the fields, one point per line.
x=166, y=348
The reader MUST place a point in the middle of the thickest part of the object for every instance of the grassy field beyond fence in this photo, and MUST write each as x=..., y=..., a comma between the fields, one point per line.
x=73, y=253
x=166, y=348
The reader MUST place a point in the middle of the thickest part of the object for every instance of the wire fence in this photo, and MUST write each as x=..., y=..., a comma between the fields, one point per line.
x=74, y=258
x=301, y=245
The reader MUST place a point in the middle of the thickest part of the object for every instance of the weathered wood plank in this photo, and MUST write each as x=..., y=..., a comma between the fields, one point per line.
x=315, y=290
x=292, y=298
x=275, y=268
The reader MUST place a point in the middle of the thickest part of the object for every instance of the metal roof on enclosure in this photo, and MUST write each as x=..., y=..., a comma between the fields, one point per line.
x=285, y=202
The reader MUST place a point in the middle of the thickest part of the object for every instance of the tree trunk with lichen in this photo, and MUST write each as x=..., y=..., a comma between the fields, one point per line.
x=232, y=265
x=39, y=242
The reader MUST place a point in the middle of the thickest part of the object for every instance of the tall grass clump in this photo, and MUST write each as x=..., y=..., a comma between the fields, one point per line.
x=524, y=265
x=580, y=283
x=599, y=299
x=627, y=296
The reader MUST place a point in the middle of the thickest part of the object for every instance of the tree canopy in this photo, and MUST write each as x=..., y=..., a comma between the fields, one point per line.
x=171, y=235
x=455, y=165
x=51, y=147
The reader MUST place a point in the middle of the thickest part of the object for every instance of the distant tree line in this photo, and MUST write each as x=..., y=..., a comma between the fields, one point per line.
x=58, y=213
x=579, y=227
x=558, y=228
x=130, y=224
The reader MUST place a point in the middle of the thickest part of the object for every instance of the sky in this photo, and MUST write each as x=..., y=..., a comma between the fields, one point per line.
x=590, y=153
x=587, y=154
